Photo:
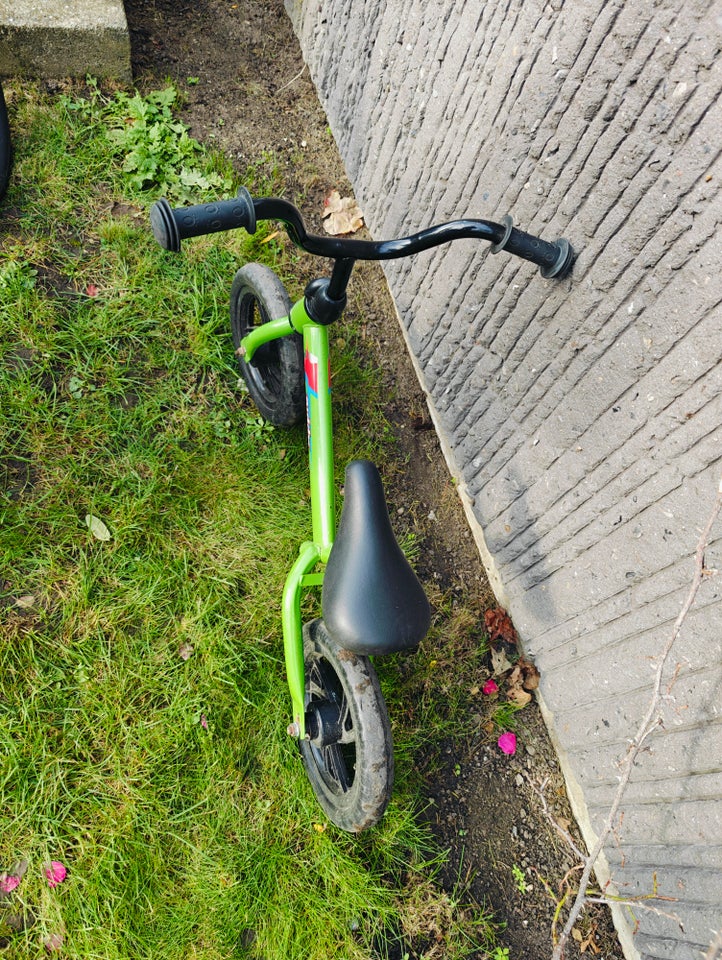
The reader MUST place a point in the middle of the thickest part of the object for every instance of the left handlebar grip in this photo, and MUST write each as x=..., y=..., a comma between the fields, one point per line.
x=171, y=226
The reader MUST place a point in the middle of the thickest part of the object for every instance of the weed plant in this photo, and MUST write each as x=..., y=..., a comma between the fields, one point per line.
x=148, y=521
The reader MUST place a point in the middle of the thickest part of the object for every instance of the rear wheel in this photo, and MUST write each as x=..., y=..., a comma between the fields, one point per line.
x=275, y=375
x=5, y=149
x=348, y=753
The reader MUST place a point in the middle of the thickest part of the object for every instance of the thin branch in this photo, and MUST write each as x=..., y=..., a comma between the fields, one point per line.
x=564, y=834
x=639, y=903
x=292, y=80
x=647, y=726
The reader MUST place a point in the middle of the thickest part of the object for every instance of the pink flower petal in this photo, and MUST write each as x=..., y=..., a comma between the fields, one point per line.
x=55, y=872
x=8, y=884
x=490, y=686
x=507, y=743
x=204, y=721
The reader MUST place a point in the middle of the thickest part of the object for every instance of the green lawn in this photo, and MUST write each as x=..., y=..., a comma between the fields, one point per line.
x=143, y=703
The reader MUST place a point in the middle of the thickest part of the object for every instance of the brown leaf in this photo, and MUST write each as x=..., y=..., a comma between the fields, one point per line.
x=530, y=674
x=499, y=626
x=341, y=215
x=515, y=690
x=519, y=696
x=499, y=662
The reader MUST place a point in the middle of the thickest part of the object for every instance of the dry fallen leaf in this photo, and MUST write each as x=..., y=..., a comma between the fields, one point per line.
x=499, y=662
x=54, y=941
x=518, y=696
x=530, y=674
x=341, y=215
x=523, y=678
x=25, y=602
x=499, y=626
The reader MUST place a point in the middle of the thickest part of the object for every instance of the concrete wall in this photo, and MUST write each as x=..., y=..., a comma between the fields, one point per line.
x=582, y=417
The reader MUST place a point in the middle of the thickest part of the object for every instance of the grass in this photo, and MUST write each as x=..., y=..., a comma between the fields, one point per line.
x=143, y=702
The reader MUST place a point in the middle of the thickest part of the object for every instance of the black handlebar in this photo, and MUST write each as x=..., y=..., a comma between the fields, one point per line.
x=171, y=226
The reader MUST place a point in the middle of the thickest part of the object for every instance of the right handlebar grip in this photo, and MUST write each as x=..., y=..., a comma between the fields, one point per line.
x=553, y=259
x=171, y=226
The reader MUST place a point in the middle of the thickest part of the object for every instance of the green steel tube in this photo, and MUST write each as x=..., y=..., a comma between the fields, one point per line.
x=323, y=499
x=320, y=437
x=264, y=333
x=307, y=559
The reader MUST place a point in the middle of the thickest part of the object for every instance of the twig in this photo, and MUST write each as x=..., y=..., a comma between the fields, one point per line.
x=292, y=80
x=637, y=902
x=539, y=791
x=647, y=726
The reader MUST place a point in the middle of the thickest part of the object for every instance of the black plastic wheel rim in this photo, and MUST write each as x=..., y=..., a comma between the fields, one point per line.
x=335, y=762
x=265, y=370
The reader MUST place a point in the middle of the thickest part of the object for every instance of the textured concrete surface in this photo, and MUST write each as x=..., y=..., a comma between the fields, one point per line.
x=582, y=418
x=52, y=38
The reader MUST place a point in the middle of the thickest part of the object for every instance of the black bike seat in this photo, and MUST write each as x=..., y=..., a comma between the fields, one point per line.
x=372, y=600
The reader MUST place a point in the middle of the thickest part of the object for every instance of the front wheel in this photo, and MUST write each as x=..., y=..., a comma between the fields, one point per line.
x=275, y=374
x=347, y=753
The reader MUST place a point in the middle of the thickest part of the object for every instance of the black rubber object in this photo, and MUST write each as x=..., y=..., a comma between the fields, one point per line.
x=372, y=600
x=275, y=374
x=348, y=751
x=553, y=259
x=171, y=226
x=5, y=145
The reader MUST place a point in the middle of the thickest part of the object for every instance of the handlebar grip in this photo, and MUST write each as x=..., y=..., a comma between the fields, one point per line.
x=171, y=226
x=553, y=259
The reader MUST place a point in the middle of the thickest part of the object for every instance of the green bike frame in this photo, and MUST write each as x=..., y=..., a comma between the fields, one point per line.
x=314, y=553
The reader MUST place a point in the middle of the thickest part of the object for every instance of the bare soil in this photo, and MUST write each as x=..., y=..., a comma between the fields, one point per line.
x=248, y=91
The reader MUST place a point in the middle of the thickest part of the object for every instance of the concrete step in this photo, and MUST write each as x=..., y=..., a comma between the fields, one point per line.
x=53, y=38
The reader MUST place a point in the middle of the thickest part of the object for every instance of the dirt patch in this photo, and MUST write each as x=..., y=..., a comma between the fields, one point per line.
x=248, y=90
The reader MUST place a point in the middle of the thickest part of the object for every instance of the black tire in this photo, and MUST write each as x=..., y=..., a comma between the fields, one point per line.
x=5, y=147
x=275, y=375
x=348, y=752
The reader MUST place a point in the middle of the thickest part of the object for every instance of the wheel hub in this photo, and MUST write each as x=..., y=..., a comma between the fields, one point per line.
x=323, y=723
